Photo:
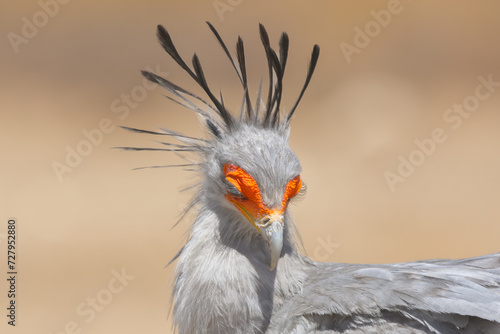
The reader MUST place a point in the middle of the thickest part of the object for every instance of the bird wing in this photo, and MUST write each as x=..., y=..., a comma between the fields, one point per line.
x=439, y=296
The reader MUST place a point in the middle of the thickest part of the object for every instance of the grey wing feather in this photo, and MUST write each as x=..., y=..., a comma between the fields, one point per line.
x=436, y=296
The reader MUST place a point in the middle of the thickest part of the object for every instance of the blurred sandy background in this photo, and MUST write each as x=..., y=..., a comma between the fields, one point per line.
x=354, y=122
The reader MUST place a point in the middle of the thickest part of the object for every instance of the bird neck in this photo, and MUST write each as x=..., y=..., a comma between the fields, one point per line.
x=223, y=281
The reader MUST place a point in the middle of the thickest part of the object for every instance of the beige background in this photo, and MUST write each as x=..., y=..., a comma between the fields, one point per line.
x=353, y=123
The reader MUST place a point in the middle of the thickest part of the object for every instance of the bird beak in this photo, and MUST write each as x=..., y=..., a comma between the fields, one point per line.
x=271, y=229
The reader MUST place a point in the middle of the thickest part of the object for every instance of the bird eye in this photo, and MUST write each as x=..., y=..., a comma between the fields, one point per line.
x=293, y=187
x=302, y=191
x=231, y=189
x=240, y=184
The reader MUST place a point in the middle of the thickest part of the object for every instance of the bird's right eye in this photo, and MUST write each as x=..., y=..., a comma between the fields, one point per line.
x=231, y=189
x=240, y=185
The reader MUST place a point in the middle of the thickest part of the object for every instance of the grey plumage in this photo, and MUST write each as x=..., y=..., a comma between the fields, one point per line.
x=225, y=278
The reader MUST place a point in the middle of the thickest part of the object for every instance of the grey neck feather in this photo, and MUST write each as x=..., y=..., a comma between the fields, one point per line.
x=223, y=283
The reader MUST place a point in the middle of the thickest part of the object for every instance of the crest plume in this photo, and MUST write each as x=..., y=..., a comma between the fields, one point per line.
x=217, y=117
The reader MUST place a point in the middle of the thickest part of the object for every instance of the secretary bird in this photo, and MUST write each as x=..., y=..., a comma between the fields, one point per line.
x=240, y=270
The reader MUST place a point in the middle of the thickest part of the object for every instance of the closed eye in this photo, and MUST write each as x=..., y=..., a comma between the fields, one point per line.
x=294, y=188
x=240, y=185
x=302, y=192
x=232, y=190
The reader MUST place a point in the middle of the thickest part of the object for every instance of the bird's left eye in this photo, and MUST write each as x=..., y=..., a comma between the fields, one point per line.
x=293, y=187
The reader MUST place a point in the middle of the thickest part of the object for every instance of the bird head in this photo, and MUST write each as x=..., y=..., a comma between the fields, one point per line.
x=253, y=172
x=248, y=168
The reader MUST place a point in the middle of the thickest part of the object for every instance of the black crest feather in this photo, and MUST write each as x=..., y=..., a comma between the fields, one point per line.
x=276, y=68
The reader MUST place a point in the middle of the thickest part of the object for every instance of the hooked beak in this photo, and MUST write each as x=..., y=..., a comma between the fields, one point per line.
x=244, y=193
x=271, y=229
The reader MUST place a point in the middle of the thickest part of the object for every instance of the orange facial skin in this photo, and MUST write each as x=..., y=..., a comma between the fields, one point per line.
x=250, y=205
